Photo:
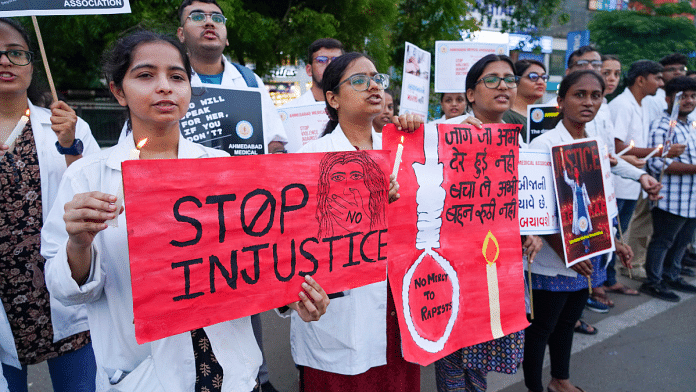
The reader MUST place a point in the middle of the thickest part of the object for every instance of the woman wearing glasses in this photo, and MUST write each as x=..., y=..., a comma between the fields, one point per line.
x=30, y=170
x=356, y=345
x=491, y=87
x=530, y=89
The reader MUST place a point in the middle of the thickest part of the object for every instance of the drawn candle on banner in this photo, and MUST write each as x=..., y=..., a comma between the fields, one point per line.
x=134, y=154
x=17, y=130
x=491, y=251
x=430, y=286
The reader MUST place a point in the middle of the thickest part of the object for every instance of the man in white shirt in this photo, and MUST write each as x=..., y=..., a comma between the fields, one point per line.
x=631, y=123
x=319, y=55
x=202, y=30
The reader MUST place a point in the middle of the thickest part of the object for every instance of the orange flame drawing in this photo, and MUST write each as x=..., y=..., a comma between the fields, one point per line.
x=491, y=249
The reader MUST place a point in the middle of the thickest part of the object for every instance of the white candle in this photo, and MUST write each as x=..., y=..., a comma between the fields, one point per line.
x=494, y=300
x=17, y=130
x=625, y=150
x=134, y=154
x=397, y=161
x=655, y=151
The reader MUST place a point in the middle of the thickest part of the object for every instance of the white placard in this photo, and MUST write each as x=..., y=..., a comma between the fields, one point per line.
x=537, y=200
x=415, y=85
x=303, y=124
x=453, y=60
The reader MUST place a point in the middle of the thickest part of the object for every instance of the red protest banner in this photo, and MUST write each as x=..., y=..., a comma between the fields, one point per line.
x=580, y=194
x=216, y=239
x=455, y=238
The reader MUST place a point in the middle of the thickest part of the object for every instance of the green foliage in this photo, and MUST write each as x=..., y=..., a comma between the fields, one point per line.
x=633, y=35
x=272, y=32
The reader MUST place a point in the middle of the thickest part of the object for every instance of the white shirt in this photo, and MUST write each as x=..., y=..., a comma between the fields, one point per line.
x=273, y=130
x=602, y=127
x=631, y=122
x=351, y=337
x=108, y=296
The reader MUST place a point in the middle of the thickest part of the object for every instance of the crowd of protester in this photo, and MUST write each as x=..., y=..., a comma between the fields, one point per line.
x=65, y=284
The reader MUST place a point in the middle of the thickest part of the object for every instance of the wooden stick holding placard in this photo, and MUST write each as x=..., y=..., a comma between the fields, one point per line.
x=45, y=59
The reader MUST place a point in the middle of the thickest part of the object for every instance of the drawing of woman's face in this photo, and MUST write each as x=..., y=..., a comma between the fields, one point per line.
x=344, y=177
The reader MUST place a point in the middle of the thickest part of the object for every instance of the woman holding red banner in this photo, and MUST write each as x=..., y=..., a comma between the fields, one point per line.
x=560, y=293
x=88, y=261
x=491, y=87
x=356, y=346
x=36, y=327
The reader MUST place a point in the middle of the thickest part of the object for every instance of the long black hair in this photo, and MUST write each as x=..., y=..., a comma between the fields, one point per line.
x=333, y=74
x=36, y=89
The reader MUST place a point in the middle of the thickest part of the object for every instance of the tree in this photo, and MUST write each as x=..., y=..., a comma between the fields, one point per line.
x=647, y=34
x=273, y=32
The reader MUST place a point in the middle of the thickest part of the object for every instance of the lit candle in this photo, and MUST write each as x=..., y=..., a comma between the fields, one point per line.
x=491, y=255
x=625, y=150
x=134, y=154
x=655, y=151
x=17, y=130
x=397, y=162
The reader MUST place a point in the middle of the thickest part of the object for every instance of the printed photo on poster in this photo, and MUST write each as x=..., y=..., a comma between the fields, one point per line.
x=415, y=86
x=453, y=60
x=580, y=195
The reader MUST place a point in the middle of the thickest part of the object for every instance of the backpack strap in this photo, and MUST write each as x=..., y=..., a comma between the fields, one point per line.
x=247, y=74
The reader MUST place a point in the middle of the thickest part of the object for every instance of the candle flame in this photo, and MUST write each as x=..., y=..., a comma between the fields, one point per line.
x=141, y=143
x=632, y=143
x=491, y=256
x=402, y=139
x=27, y=112
x=659, y=146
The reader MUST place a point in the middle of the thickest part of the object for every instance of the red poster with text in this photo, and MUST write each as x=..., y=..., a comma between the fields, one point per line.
x=455, y=265
x=216, y=239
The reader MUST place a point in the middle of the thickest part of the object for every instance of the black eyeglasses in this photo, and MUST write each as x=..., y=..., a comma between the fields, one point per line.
x=675, y=69
x=493, y=81
x=534, y=77
x=324, y=59
x=596, y=64
x=200, y=17
x=362, y=82
x=17, y=56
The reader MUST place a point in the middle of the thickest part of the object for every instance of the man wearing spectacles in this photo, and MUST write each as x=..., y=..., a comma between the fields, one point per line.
x=319, y=55
x=202, y=30
x=586, y=57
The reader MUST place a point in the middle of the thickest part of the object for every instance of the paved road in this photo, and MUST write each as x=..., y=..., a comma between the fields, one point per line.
x=643, y=345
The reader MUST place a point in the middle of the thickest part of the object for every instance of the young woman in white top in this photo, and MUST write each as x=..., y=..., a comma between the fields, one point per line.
x=356, y=345
x=42, y=329
x=88, y=262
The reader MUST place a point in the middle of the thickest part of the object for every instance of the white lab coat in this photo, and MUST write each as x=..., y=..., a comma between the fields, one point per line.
x=351, y=337
x=108, y=296
x=66, y=321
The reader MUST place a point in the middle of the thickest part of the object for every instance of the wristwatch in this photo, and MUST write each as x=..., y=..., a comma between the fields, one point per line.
x=75, y=149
